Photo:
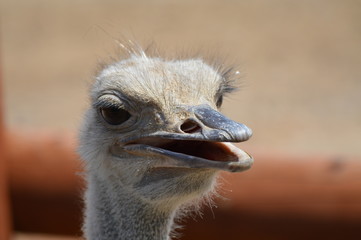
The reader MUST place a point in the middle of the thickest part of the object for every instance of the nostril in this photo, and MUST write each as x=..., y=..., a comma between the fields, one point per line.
x=190, y=126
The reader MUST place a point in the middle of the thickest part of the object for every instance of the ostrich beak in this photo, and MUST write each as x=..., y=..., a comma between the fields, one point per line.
x=219, y=127
x=203, y=143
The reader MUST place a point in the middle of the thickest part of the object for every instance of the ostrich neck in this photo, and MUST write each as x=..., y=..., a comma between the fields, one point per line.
x=113, y=213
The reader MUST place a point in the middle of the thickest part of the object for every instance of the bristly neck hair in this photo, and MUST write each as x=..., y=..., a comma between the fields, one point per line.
x=114, y=212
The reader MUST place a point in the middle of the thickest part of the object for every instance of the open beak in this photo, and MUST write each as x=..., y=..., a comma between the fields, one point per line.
x=202, y=141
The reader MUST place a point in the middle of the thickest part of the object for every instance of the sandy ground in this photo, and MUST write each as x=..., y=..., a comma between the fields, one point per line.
x=300, y=61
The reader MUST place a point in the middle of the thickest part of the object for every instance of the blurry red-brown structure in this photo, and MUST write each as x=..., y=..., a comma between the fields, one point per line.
x=4, y=197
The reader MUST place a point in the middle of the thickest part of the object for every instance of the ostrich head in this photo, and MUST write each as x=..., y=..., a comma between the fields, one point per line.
x=154, y=129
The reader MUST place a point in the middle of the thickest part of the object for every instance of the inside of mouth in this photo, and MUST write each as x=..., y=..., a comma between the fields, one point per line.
x=214, y=151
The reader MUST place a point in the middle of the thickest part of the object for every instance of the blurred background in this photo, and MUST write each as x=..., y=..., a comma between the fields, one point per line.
x=300, y=63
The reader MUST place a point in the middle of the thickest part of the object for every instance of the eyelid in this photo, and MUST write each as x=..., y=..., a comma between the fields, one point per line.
x=107, y=104
x=109, y=100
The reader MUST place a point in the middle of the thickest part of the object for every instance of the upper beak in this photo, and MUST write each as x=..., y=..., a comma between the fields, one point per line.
x=220, y=128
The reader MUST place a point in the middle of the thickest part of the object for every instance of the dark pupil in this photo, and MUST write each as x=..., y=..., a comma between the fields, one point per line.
x=219, y=101
x=114, y=116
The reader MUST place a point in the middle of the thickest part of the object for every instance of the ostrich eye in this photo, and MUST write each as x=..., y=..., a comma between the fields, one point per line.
x=114, y=116
x=219, y=101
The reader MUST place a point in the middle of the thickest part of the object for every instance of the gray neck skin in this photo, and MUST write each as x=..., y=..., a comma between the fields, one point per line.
x=113, y=213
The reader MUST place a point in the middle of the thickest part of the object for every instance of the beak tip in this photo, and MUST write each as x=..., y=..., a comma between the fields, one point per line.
x=240, y=167
x=245, y=133
x=249, y=132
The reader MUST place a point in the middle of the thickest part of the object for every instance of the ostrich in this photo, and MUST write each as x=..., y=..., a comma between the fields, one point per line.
x=153, y=142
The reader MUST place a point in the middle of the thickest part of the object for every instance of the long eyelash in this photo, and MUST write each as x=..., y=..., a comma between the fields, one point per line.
x=227, y=86
x=228, y=81
x=105, y=104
